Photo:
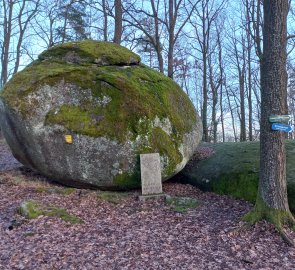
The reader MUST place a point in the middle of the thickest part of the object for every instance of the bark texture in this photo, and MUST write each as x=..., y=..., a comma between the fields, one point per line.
x=272, y=202
x=118, y=22
x=272, y=185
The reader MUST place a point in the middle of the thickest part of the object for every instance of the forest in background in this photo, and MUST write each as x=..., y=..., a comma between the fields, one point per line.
x=212, y=48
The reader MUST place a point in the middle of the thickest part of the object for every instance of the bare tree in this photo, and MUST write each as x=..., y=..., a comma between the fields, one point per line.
x=8, y=7
x=149, y=23
x=254, y=10
x=214, y=86
x=231, y=109
x=249, y=42
x=99, y=17
x=221, y=79
x=202, y=21
x=178, y=16
x=241, y=67
x=272, y=203
x=17, y=16
x=71, y=15
x=24, y=18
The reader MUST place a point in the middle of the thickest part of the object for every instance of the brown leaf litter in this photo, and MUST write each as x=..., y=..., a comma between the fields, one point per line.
x=129, y=234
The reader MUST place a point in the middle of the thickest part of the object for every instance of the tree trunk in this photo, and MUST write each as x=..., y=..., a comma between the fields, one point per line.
x=221, y=85
x=7, y=28
x=249, y=49
x=221, y=112
x=65, y=22
x=272, y=203
x=51, y=30
x=171, y=38
x=242, y=104
x=157, y=43
x=118, y=22
x=231, y=114
x=214, y=88
x=241, y=66
x=250, y=97
x=160, y=58
x=105, y=21
x=205, y=100
x=170, y=60
x=273, y=101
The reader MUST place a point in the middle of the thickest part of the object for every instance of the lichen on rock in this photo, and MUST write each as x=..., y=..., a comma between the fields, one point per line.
x=113, y=107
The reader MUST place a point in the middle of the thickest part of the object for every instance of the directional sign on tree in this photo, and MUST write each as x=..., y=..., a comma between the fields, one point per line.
x=279, y=118
x=281, y=127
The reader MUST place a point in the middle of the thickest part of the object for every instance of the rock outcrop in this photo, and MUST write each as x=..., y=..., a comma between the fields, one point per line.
x=84, y=111
x=233, y=169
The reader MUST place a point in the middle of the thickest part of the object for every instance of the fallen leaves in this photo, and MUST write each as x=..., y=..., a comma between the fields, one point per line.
x=136, y=235
x=129, y=234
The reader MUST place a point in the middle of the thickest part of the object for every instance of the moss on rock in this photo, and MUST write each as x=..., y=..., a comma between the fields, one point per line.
x=234, y=170
x=167, y=147
x=88, y=51
x=31, y=209
x=127, y=88
x=99, y=93
x=242, y=185
x=127, y=181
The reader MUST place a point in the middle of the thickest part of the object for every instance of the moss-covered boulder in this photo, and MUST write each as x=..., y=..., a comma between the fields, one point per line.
x=84, y=111
x=233, y=169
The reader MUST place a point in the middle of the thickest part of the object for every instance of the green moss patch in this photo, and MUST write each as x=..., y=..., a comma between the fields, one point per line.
x=136, y=93
x=112, y=197
x=55, y=190
x=241, y=186
x=126, y=113
x=89, y=51
x=234, y=170
x=182, y=204
x=166, y=146
x=31, y=209
x=62, y=214
x=275, y=216
x=127, y=181
x=29, y=79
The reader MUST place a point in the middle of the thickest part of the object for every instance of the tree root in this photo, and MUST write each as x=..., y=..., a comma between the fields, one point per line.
x=276, y=217
x=286, y=237
x=291, y=221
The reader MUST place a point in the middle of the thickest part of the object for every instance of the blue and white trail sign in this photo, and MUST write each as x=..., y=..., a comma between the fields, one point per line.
x=281, y=127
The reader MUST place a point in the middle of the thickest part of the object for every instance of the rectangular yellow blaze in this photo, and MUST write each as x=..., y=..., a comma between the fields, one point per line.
x=69, y=138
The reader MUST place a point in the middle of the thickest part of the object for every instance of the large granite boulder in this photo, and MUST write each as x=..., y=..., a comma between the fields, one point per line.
x=113, y=108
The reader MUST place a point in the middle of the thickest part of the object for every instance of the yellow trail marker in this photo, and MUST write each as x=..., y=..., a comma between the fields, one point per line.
x=69, y=139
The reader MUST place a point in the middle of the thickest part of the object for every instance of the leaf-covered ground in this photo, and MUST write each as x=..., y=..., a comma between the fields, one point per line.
x=121, y=232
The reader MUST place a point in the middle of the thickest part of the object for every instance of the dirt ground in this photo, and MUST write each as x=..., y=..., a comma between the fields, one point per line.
x=121, y=232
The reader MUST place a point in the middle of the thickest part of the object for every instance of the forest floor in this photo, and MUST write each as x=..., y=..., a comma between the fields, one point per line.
x=121, y=232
